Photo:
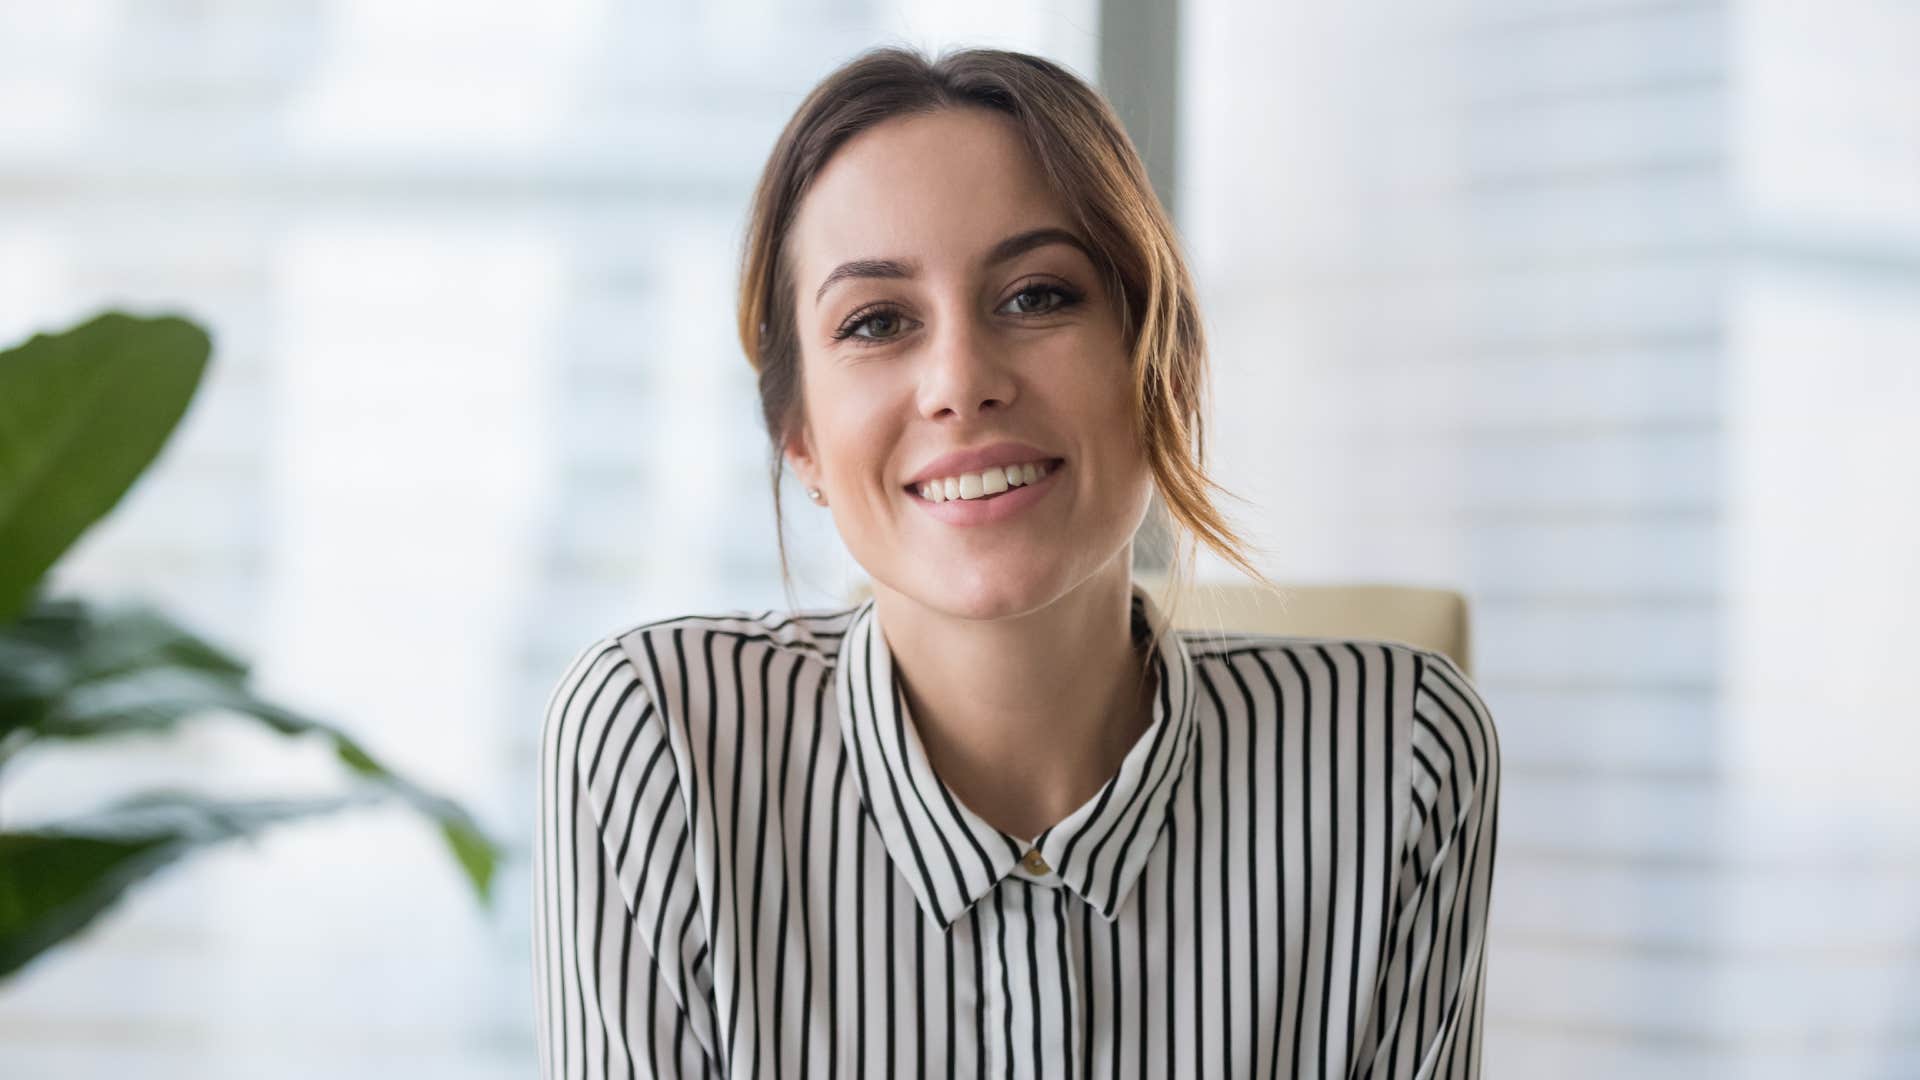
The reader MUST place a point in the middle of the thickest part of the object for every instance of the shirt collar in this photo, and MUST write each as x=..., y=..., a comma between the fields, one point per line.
x=950, y=855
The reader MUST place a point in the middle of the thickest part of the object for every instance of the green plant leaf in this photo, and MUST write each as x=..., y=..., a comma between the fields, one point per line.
x=82, y=414
x=59, y=645
x=478, y=856
x=57, y=879
x=70, y=670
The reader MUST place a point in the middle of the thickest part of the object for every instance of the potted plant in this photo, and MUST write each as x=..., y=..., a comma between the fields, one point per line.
x=82, y=415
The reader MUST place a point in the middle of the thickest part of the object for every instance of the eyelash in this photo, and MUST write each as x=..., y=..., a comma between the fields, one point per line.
x=1068, y=298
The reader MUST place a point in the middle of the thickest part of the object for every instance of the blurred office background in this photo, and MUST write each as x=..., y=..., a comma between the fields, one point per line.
x=1604, y=312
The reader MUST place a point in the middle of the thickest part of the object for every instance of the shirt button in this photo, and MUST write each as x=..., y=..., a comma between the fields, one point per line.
x=1035, y=864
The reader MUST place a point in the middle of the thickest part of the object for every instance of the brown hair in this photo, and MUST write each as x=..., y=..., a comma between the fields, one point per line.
x=1084, y=152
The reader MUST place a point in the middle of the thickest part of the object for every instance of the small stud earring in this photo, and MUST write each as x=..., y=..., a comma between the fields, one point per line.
x=814, y=494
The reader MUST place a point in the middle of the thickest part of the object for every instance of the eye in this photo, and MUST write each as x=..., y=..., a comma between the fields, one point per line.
x=886, y=317
x=1061, y=298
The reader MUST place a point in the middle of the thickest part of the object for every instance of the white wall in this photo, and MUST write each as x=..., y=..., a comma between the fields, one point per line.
x=1604, y=312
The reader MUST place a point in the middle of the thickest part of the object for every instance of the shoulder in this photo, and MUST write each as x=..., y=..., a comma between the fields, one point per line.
x=636, y=652
x=1451, y=721
x=1432, y=713
x=813, y=634
x=597, y=693
x=1328, y=663
x=597, y=671
x=1426, y=693
x=667, y=673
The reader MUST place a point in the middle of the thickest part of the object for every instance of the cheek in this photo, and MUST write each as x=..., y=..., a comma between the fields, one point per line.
x=1093, y=381
x=853, y=428
x=1119, y=440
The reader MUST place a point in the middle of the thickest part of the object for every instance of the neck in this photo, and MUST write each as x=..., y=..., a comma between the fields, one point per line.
x=1067, y=699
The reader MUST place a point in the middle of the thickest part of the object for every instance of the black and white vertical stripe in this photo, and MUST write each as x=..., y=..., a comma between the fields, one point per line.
x=746, y=867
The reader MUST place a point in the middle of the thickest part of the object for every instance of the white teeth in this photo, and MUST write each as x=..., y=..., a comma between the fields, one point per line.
x=987, y=482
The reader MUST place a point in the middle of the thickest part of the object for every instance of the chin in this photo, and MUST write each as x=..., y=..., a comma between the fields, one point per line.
x=986, y=595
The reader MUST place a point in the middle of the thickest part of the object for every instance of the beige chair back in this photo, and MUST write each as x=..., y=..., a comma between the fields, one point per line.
x=1429, y=618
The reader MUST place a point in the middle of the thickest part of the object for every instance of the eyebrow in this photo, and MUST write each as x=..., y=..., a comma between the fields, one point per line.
x=1012, y=247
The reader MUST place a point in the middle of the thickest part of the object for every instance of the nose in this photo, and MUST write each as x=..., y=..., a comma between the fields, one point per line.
x=965, y=373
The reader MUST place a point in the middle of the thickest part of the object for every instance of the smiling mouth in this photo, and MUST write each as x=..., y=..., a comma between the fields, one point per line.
x=985, y=485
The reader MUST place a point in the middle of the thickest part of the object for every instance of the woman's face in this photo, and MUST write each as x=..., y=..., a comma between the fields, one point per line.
x=924, y=333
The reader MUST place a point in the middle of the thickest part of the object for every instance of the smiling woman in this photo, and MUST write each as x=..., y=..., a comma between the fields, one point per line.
x=1021, y=186
x=1000, y=819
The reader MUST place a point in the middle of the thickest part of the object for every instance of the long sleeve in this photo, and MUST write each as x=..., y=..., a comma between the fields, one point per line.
x=1430, y=998
x=620, y=975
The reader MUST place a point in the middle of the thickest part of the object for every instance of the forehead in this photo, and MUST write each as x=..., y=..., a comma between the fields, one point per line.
x=940, y=187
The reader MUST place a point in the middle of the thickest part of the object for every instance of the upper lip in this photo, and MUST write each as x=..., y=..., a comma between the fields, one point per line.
x=985, y=457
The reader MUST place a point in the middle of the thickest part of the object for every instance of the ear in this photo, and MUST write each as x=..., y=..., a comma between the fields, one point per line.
x=799, y=454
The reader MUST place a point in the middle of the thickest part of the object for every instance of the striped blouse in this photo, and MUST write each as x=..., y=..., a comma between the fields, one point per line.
x=745, y=866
